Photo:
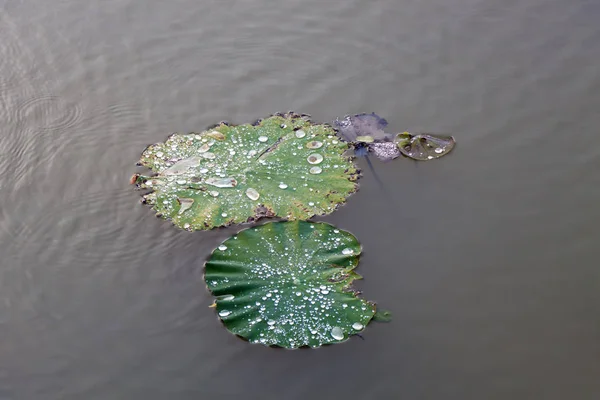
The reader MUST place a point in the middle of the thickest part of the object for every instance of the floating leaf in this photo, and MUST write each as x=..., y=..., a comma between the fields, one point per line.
x=366, y=133
x=385, y=151
x=287, y=284
x=365, y=139
x=284, y=166
x=352, y=127
x=424, y=147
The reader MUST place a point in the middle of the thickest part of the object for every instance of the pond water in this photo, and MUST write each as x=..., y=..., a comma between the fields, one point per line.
x=488, y=257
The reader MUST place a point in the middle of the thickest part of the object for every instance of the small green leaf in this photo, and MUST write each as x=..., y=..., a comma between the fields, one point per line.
x=365, y=139
x=285, y=166
x=424, y=147
x=288, y=284
x=382, y=316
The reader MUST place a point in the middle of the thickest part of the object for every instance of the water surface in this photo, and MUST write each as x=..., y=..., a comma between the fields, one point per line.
x=488, y=257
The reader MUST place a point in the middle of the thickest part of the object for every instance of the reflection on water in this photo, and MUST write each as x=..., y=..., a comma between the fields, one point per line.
x=487, y=257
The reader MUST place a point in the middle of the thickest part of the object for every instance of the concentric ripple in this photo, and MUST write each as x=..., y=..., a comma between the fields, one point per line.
x=49, y=113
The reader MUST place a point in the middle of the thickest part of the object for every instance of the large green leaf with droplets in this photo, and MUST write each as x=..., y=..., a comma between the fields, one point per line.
x=284, y=166
x=287, y=284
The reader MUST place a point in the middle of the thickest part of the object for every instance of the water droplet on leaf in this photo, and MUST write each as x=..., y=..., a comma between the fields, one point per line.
x=216, y=135
x=252, y=194
x=224, y=313
x=357, y=326
x=337, y=333
x=314, y=158
x=186, y=204
x=315, y=170
x=315, y=144
x=221, y=182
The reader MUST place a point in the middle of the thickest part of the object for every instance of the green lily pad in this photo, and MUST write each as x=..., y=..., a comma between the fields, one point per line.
x=283, y=166
x=288, y=284
x=423, y=147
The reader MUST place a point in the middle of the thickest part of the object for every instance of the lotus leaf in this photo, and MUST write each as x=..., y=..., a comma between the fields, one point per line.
x=423, y=147
x=283, y=166
x=288, y=284
x=355, y=128
x=366, y=133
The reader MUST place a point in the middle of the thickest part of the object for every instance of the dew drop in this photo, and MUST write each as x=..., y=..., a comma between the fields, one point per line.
x=315, y=170
x=213, y=193
x=344, y=305
x=325, y=291
x=347, y=251
x=311, y=203
x=271, y=322
x=181, y=181
x=216, y=135
x=262, y=139
x=314, y=158
x=221, y=182
x=300, y=134
x=252, y=153
x=439, y=150
x=224, y=313
x=336, y=231
x=204, y=170
x=186, y=226
x=298, y=294
x=209, y=156
x=337, y=333
x=252, y=194
x=186, y=204
x=160, y=154
x=224, y=215
x=283, y=186
x=229, y=297
x=222, y=247
x=204, y=148
x=357, y=326
x=315, y=144
x=429, y=157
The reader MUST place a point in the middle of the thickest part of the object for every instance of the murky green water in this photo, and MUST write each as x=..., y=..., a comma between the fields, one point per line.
x=488, y=257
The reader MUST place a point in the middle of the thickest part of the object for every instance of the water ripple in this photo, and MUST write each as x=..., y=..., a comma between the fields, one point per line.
x=13, y=65
x=49, y=112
